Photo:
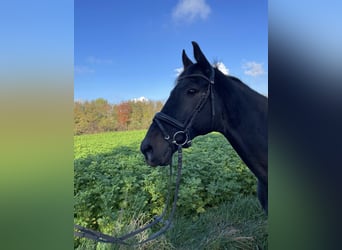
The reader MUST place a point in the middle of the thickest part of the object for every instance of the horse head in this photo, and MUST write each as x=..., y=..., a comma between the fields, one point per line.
x=188, y=111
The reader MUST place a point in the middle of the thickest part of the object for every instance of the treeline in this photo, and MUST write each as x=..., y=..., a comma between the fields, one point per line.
x=100, y=116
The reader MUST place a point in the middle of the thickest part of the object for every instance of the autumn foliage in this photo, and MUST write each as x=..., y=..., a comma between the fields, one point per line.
x=100, y=116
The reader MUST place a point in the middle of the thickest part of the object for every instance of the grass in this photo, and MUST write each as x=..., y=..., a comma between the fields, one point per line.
x=240, y=224
x=237, y=223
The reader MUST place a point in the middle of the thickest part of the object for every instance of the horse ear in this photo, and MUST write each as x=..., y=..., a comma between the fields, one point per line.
x=186, y=61
x=199, y=56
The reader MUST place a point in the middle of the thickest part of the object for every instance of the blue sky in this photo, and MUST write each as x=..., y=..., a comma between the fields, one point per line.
x=128, y=49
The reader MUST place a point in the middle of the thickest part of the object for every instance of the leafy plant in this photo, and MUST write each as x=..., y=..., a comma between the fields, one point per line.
x=113, y=184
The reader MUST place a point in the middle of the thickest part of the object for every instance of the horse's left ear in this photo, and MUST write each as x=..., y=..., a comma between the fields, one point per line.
x=199, y=56
x=186, y=61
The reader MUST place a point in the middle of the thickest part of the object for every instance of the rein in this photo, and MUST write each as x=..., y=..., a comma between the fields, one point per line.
x=83, y=232
x=183, y=133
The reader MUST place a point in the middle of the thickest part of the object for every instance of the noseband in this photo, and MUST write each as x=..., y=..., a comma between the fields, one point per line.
x=182, y=136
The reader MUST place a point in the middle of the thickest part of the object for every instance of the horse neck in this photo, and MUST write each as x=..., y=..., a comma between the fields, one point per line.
x=243, y=121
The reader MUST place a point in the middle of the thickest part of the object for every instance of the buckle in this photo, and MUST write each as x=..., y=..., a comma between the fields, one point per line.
x=180, y=138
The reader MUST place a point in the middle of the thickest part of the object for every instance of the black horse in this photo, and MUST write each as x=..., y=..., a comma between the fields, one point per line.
x=206, y=100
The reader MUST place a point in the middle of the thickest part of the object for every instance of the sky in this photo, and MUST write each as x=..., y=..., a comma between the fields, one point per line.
x=129, y=49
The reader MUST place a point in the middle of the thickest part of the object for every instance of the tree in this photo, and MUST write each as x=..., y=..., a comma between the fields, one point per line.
x=99, y=116
x=80, y=122
x=103, y=112
x=124, y=111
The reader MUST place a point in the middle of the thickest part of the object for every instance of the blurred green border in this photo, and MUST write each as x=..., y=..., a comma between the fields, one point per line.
x=36, y=128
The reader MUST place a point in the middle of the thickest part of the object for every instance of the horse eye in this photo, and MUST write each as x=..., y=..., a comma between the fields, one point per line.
x=192, y=91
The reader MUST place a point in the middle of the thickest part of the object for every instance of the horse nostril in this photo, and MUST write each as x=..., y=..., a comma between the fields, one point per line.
x=149, y=149
x=146, y=149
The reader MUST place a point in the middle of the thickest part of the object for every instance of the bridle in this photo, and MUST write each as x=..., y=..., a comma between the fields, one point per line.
x=182, y=136
x=183, y=129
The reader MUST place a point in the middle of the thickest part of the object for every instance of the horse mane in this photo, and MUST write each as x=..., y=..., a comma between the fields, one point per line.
x=229, y=79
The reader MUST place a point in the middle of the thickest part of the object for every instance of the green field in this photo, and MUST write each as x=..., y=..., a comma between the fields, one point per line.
x=116, y=192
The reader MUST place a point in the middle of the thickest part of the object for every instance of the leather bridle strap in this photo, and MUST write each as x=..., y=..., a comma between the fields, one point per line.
x=183, y=128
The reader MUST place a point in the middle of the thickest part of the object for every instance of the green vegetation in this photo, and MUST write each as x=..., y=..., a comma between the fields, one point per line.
x=116, y=192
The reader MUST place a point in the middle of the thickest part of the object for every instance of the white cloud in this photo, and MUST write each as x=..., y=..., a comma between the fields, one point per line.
x=140, y=99
x=178, y=71
x=95, y=60
x=91, y=62
x=253, y=68
x=190, y=10
x=221, y=67
x=79, y=69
